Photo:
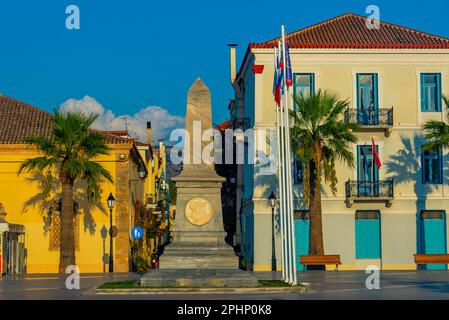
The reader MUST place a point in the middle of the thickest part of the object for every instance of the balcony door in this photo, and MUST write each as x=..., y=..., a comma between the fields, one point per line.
x=367, y=172
x=367, y=99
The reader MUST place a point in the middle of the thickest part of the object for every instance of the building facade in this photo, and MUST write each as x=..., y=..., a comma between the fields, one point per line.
x=394, y=79
x=20, y=196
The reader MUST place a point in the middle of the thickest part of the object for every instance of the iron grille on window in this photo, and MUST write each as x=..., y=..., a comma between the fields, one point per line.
x=301, y=214
x=367, y=215
x=432, y=214
x=55, y=232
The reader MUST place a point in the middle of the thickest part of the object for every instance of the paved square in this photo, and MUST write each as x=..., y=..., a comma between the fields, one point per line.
x=323, y=285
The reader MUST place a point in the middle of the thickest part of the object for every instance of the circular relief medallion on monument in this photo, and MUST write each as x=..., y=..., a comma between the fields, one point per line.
x=198, y=211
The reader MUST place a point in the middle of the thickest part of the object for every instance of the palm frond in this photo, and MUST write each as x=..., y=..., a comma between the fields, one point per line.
x=318, y=125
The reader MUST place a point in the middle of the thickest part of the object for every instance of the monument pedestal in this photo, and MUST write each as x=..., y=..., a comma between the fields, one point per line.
x=197, y=278
x=198, y=233
x=199, y=255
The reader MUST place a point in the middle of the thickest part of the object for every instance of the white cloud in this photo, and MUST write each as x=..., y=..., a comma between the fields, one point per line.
x=162, y=121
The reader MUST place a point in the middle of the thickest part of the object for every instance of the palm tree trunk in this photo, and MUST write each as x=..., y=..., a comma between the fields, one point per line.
x=315, y=212
x=67, y=244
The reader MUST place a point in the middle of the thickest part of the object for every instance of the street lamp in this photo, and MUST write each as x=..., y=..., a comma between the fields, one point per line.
x=272, y=199
x=164, y=187
x=142, y=172
x=111, y=204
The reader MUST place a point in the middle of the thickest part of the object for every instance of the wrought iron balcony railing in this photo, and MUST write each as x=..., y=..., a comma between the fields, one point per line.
x=370, y=119
x=362, y=190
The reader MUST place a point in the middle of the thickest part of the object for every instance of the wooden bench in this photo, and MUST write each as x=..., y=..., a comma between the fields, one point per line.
x=421, y=259
x=317, y=260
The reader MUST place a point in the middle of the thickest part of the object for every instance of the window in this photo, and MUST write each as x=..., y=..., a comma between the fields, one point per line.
x=432, y=214
x=301, y=214
x=430, y=92
x=298, y=171
x=432, y=167
x=367, y=92
x=367, y=215
x=55, y=232
x=304, y=84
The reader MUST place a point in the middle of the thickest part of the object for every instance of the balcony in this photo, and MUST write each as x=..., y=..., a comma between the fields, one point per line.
x=374, y=120
x=368, y=191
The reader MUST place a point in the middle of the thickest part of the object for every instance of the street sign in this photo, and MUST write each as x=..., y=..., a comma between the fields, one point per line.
x=137, y=233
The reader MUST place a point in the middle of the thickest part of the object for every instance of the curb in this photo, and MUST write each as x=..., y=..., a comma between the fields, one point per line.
x=263, y=290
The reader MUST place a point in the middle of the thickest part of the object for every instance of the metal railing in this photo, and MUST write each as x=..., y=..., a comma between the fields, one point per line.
x=379, y=117
x=369, y=189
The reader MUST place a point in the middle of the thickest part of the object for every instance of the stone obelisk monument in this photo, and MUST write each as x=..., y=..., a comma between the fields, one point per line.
x=198, y=255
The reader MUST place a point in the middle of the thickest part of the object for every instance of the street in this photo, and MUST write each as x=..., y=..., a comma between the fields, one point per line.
x=424, y=285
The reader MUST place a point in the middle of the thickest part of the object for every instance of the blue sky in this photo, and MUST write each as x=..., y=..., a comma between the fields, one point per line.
x=132, y=54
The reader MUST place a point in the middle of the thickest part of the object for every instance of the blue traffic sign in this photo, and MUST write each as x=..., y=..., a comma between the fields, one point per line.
x=137, y=233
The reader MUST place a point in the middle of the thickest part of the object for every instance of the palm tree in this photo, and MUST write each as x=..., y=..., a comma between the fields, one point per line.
x=68, y=154
x=437, y=132
x=319, y=138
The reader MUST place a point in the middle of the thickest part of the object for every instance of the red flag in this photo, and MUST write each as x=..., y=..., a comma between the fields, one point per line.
x=289, y=75
x=375, y=155
x=277, y=96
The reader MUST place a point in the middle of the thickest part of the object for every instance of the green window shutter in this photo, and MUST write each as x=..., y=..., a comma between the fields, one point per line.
x=423, y=100
x=438, y=96
x=312, y=84
x=376, y=91
x=357, y=83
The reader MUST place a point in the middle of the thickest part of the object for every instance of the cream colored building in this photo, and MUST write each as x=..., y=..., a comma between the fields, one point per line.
x=394, y=78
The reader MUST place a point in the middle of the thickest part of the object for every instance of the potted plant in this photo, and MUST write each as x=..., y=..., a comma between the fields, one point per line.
x=141, y=264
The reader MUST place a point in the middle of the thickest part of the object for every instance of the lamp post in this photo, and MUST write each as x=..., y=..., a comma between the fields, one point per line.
x=164, y=187
x=272, y=199
x=111, y=204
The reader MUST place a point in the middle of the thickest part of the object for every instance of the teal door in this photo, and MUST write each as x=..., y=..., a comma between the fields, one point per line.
x=433, y=236
x=367, y=234
x=302, y=236
x=367, y=172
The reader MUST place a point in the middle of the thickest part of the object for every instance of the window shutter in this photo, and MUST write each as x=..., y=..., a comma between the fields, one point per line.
x=423, y=106
x=376, y=91
x=439, y=97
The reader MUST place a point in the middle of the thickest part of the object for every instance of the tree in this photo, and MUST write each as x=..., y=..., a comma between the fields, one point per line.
x=68, y=154
x=437, y=131
x=319, y=137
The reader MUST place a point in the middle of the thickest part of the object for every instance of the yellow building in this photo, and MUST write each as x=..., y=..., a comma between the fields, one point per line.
x=394, y=78
x=20, y=195
x=155, y=184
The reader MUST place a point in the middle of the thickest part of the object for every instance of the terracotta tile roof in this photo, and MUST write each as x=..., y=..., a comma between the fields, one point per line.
x=19, y=120
x=117, y=133
x=349, y=31
x=224, y=125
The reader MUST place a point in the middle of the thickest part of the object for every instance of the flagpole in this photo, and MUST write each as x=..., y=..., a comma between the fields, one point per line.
x=286, y=273
x=291, y=231
x=280, y=180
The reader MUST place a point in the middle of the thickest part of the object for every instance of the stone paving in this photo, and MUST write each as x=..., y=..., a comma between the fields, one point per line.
x=322, y=285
